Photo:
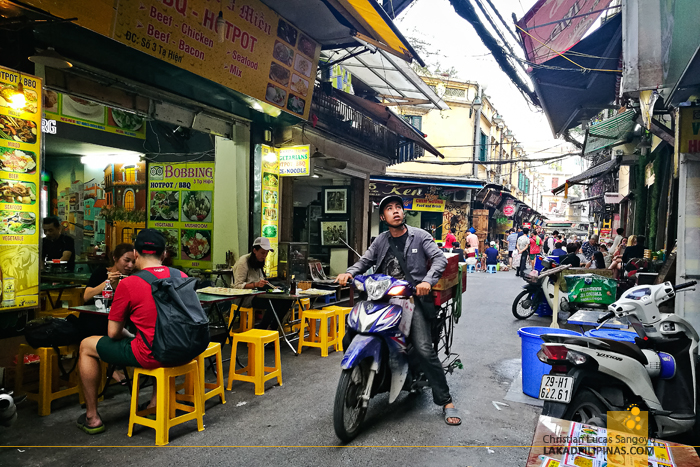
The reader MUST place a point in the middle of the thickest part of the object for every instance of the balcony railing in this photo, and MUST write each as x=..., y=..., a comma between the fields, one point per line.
x=351, y=124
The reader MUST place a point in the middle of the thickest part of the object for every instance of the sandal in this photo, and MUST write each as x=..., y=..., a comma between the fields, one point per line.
x=144, y=406
x=91, y=430
x=451, y=412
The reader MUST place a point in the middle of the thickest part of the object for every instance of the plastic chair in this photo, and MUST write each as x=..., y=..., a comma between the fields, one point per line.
x=342, y=312
x=491, y=268
x=255, y=370
x=245, y=320
x=167, y=401
x=48, y=375
x=324, y=339
x=471, y=268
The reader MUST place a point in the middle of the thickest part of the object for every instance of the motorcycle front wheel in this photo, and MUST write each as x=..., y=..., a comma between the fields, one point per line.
x=348, y=412
x=523, y=306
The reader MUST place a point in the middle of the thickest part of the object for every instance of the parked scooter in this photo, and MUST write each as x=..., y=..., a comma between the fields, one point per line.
x=591, y=376
x=377, y=360
x=538, y=294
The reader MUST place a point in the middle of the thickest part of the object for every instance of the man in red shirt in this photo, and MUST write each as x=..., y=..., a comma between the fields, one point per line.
x=450, y=238
x=134, y=301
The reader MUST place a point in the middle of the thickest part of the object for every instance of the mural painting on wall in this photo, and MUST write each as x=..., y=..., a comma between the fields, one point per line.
x=456, y=215
x=99, y=204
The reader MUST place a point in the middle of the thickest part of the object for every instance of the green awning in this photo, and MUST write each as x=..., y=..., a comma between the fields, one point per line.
x=611, y=132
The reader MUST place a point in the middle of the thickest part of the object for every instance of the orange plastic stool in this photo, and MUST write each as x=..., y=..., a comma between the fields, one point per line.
x=47, y=376
x=342, y=312
x=255, y=371
x=323, y=340
x=247, y=316
x=215, y=389
x=167, y=401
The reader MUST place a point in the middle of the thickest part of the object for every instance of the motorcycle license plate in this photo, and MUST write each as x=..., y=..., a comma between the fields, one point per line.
x=556, y=388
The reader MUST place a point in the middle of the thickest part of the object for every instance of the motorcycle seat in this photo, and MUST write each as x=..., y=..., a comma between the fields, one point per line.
x=627, y=349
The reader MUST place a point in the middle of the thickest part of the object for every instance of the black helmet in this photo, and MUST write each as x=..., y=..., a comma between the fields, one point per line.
x=389, y=199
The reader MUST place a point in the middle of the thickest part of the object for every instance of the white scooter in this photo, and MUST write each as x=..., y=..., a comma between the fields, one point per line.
x=658, y=373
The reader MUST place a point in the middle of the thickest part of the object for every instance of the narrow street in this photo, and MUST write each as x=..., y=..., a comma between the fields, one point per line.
x=299, y=414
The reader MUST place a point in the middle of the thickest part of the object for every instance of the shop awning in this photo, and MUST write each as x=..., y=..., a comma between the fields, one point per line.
x=381, y=114
x=585, y=200
x=571, y=95
x=594, y=172
x=339, y=23
x=391, y=78
x=611, y=132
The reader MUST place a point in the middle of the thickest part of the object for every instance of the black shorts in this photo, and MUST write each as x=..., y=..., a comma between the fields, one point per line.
x=510, y=253
x=117, y=352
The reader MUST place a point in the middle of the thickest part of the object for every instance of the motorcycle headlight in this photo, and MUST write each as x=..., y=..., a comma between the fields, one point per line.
x=376, y=289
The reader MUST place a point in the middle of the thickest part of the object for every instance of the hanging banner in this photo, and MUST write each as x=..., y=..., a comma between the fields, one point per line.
x=270, y=206
x=20, y=159
x=294, y=161
x=261, y=54
x=181, y=206
x=554, y=26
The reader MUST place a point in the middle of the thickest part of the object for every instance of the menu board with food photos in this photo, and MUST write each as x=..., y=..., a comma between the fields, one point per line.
x=20, y=158
x=181, y=207
x=270, y=205
x=262, y=55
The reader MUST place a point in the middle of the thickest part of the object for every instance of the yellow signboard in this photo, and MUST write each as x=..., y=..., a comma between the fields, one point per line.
x=20, y=159
x=270, y=205
x=181, y=206
x=689, y=130
x=427, y=205
x=294, y=161
x=243, y=45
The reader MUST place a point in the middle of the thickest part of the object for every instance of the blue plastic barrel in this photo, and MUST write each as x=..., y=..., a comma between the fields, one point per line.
x=533, y=368
x=613, y=334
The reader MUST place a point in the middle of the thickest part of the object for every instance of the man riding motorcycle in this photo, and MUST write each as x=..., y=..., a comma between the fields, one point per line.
x=416, y=248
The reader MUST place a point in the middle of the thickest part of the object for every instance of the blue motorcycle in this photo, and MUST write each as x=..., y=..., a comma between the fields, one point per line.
x=377, y=359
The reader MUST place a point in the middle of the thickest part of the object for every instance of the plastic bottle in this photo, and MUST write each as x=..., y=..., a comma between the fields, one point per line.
x=293, y=287
x=107, y=295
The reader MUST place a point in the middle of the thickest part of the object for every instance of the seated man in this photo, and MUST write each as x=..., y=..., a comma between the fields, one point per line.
x=133, y=300
x=558, y=250
x=491, y=255
x=456, y=248
x=571, y=258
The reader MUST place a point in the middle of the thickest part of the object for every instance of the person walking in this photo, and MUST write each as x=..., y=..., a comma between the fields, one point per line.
x=535, y=244
x=512, y=240
x=523, y=247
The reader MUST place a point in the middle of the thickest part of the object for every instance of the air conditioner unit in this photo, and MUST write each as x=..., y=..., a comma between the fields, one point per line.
x=463, y=196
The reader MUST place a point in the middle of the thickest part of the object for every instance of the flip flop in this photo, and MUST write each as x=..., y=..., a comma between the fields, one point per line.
x=144, y=406
x=94, y=430
x=451, y=412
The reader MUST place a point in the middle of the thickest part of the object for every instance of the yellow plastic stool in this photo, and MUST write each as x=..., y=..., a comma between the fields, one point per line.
x=342, y=312
x=255, y=371
x=48, y=378
x=215, y=389
x=167, y=401
x=323, y=340
x=246, y=318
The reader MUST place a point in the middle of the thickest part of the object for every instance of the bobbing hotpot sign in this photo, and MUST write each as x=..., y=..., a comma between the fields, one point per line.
x=181, y=176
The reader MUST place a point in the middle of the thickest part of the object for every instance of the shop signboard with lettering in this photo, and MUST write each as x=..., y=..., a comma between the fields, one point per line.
x=261, y=55
x=294, y=161
x=428, y=205
x=20, y=170
x=270, y=205
x=181, y=207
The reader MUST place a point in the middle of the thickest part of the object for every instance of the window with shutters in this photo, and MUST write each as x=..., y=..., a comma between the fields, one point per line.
x=483, y=147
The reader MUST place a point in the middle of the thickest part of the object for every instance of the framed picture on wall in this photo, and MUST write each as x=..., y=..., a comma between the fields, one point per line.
x=332, y=232
x=335, y=200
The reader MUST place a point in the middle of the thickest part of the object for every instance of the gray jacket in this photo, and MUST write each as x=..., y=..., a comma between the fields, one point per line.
x=420, y=250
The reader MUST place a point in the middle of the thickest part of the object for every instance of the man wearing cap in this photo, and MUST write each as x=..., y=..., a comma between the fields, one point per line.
x=491, y=254
x=133, y=300
x=248, y=274
x=419, y=250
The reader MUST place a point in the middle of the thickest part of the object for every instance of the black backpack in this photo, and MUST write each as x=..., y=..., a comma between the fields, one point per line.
x=182, y=327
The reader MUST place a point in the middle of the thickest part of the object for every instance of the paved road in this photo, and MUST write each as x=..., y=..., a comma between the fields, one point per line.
x=298, y=415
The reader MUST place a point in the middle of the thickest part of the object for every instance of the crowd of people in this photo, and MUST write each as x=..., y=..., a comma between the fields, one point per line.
x=524, y=245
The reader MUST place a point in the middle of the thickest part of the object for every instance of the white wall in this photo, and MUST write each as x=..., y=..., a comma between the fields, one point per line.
x=231, y=190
